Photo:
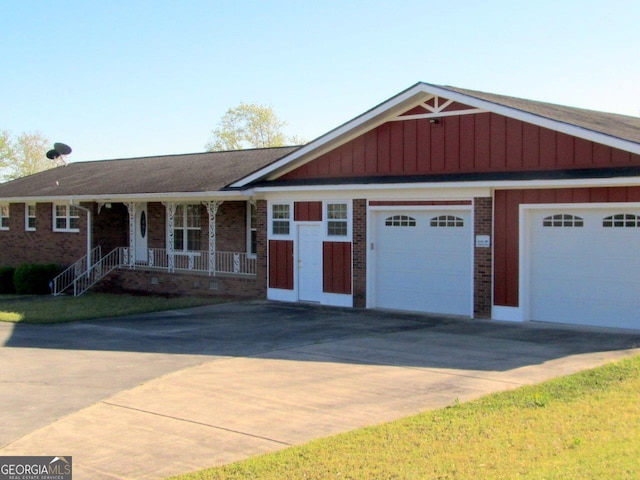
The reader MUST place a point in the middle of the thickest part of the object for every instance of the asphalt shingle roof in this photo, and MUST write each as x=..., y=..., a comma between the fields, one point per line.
x=199, y=172
x=619, y=126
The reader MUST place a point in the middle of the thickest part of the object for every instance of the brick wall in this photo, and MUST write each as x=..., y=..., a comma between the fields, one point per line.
x=482, y=258
x=111, y=227
x=359, y=253
x=261, y=247
x=159, y=282
x=44, y=245
x=231, y=227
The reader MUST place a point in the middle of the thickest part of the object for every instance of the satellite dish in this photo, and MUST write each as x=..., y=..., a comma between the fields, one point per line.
x=58, y=153
x=62, y=149
x=53, y=154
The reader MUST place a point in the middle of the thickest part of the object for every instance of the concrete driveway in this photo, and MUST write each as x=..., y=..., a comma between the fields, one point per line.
x=160, y=394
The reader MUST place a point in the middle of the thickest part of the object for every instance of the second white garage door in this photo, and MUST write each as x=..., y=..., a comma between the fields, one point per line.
x=584, y=266
x=422, y=261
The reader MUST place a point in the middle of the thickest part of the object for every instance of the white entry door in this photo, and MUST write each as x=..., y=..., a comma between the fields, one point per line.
x=141, y=233
x=309, y=263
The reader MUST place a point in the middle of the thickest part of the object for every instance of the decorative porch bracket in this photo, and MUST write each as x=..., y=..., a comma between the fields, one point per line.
x=131, y=207
x=171, y=214
x=212, y=209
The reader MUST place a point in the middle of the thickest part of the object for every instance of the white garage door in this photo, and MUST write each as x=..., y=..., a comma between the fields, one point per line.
x=422, y=261
x=585, y=266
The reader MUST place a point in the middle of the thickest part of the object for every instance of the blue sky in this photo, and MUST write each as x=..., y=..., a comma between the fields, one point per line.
x=119, y=78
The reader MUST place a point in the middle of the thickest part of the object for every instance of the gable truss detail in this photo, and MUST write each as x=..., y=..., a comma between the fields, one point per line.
x=436, y=107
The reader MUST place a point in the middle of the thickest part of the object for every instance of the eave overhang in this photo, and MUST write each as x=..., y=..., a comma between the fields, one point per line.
x=576, y=178
x=230, y=195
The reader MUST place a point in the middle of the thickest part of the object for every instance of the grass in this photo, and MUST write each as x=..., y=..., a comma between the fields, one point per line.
x=583, y=426
x=48, y=309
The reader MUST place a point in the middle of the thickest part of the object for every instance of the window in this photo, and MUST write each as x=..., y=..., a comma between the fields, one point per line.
x=66, y=218
x=621, y=220
x=563, y=220
x=446, y=221
x=400, y=221
x=337, y=220
x=30, y=217
x=281, y=215
x=252, y=228
x=186, y=228
x=4, y=217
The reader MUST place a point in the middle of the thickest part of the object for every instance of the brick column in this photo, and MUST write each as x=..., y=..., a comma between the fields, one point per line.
x=359, y=253
x=482, y=258
x=261, y=247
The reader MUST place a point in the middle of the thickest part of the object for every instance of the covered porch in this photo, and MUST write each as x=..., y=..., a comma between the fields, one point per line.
x=163, y=239
x=209, y=237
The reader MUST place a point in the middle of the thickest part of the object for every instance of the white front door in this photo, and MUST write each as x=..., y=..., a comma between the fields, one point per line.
x=309, y=263
x=141, y=233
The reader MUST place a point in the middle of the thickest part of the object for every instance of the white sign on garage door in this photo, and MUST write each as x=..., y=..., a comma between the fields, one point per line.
x=584, y=266
x=422, y=261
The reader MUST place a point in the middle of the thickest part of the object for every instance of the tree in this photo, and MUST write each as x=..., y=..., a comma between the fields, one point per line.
x=24, y=155
x=248, y=125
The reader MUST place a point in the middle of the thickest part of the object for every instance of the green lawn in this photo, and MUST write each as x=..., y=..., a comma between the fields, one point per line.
x=48, y=309
x=583, y=426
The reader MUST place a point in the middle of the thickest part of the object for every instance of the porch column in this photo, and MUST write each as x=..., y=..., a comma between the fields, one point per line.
x=131, y=207
x=171, y=213
x=212, y=209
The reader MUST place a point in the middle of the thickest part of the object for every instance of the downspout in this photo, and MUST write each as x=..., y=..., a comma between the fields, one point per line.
x=88, y=211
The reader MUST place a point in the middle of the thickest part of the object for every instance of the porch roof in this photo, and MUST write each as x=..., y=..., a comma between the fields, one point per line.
x=191, y=173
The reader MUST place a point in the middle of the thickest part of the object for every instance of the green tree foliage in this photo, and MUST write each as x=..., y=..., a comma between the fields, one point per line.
x=23, y=155
x=249, y=125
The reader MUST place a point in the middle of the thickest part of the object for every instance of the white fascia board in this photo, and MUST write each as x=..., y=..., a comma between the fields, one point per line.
x=148, y=197
x=471, y=185
x=349, y=130
x=389, y=192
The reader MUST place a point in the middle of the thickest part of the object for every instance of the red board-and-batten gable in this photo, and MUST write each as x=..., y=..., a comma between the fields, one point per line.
x=474, y=133
x=461, y=140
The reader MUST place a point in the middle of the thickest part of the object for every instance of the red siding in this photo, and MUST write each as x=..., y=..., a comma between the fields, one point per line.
x=281, y=264
x=336, y=267
x=484, y=142
x=307, y=211
x=506, y=228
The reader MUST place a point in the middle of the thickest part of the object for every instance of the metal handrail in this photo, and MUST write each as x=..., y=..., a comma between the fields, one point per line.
x=97, y=271
x=67, y=278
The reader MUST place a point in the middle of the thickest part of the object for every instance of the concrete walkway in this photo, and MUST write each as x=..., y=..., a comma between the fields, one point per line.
x=185, y=390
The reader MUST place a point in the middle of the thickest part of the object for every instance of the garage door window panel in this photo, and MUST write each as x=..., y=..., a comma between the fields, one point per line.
x=400, y=221
x=621, y=220
x=563, y=220
x=447, y=221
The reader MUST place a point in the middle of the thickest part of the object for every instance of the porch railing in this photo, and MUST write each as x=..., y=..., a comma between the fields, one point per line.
x=197, y=261
x=82, y=275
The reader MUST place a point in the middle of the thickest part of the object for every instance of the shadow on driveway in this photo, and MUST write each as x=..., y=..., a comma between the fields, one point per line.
x=260, y=327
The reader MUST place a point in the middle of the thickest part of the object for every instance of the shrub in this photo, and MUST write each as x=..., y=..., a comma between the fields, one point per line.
x=6, y=280
x=33, y=279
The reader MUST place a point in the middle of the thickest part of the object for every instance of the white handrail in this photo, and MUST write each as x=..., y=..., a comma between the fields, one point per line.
x=97, y=271
x=67, y=278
